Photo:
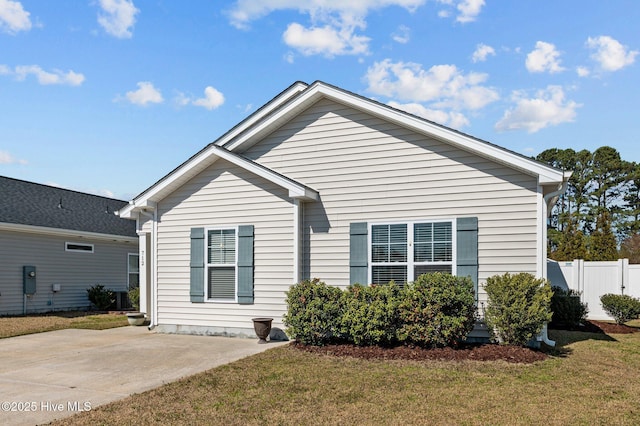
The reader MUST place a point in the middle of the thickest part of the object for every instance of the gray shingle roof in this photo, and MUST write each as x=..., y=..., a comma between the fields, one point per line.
x=28, y=203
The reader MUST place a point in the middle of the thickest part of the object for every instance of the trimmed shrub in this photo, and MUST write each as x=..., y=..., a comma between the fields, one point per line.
x=370, y=314
x=621, y=307
x=567, y=309
x=313, y=312
x=101, y=297
x=518, y=306
x=436, y=310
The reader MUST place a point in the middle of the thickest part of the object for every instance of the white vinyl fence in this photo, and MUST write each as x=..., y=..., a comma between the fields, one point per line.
x=593, y=279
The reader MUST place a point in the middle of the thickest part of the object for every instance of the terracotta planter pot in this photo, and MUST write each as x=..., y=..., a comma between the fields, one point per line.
x=262, y=327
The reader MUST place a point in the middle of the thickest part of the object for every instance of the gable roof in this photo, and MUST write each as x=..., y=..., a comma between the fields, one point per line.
x=36, y=205
x=295, y=99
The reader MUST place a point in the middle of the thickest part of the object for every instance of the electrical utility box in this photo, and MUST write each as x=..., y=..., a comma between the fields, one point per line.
x=29, y=280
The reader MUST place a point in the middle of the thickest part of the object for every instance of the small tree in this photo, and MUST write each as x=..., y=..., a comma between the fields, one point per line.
x=572, y=244
x=518, y=306
x=602, y=244
x=630, y=249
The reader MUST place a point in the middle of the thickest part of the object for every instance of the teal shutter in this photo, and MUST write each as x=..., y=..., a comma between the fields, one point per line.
x=245, y=264
x=467, y=249
x=196, y=290
x=358, y=253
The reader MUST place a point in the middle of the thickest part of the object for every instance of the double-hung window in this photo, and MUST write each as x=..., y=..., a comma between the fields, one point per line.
x=221, y=264
x=403, y=251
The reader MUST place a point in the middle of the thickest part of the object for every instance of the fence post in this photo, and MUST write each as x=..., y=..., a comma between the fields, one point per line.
x=623, y=264
x=578, y=277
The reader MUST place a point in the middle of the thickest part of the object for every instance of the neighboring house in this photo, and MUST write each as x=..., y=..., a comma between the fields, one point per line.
x=56, y=243
x=324, y=183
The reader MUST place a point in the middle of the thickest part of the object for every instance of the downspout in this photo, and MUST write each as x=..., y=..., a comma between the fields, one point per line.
x=549, y=200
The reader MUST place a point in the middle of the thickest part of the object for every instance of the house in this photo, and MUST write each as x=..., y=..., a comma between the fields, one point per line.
x=56, y=243
x=321, y=182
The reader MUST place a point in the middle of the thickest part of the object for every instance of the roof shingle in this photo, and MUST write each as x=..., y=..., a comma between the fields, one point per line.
x=28, y=203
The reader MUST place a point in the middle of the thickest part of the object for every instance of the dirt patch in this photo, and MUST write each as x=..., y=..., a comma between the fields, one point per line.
x=485, y=352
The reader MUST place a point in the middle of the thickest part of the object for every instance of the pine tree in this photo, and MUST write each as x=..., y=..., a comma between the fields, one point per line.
x=572, y=244
x=630, y=249
x=602, y=244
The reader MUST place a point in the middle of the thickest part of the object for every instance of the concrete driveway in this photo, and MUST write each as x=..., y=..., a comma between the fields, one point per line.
x=52, y=375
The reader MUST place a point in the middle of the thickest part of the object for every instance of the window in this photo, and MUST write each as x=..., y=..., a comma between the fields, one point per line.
x=403, y=251
x=221, y=264
x=78, y=247
x=134, y=270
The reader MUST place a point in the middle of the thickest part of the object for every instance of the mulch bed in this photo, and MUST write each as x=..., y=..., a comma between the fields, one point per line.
x=603, y=327
x=484, y=352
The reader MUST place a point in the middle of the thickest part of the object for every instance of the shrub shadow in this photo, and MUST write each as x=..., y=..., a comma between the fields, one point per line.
x=565, y=337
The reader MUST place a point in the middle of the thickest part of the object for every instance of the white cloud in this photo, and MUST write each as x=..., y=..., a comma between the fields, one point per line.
x=452, y=119
x=402, y=35
x=328, y=41
x=13, y=17
x=583, y=71
x=481, y=53
x=543, y=58
x=443, y=85
x=548, y=108
x=245, y=11
x=69, y=78
x=145, y=94
x=7, y=158
x=610, y=54
x=118, y=17
x=469, y=10
x=212, y=99
x=334, y=24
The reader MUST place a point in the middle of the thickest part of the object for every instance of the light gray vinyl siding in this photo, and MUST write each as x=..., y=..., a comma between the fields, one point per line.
x=220, y=196
x=75, y=272
x=368, y=170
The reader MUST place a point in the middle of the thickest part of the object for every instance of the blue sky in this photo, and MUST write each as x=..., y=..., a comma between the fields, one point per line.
x=108, y=96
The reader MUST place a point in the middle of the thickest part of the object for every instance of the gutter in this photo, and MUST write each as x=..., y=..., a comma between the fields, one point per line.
x=551, y=198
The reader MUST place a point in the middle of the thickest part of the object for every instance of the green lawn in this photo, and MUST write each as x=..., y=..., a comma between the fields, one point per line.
x=591, y=379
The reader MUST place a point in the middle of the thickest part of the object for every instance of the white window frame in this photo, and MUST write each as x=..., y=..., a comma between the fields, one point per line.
x=410, y=263
x=129, y=273
x=208, y=265
x=71, y=250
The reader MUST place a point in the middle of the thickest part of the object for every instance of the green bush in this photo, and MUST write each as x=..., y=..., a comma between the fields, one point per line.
x=568, y=311
x=313, y=312
x=518, y=306
x=436, y=310
x=370, y=314
x=134, y=298
x=101, y=297
x=621, y=307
